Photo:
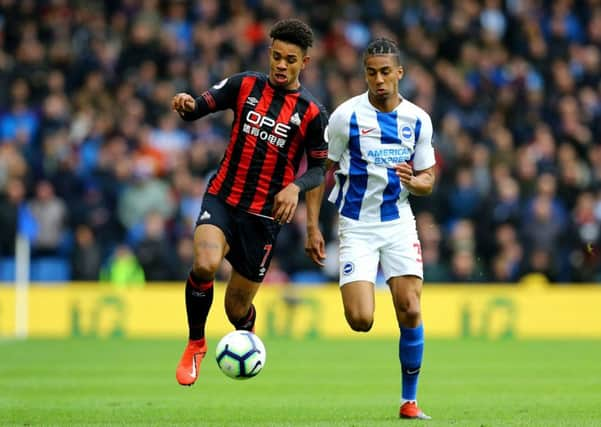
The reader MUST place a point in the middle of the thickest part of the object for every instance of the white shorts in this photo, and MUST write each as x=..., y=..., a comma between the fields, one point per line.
x=393, y=245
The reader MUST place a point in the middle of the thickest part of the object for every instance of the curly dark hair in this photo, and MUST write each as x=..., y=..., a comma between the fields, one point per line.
x=292, y=31
x=382, y=46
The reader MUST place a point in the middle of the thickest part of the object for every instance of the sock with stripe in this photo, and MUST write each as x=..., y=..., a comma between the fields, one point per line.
x=199, y=298
x=411, y=350
x=247, y=323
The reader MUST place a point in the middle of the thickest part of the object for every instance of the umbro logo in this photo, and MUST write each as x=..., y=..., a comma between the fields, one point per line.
x=205, y=215
x=251, y=100
x=295, y=119
x=365, y=131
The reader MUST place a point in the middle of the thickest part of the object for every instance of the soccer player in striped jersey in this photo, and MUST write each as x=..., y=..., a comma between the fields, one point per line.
x=382, y=146
x=255, y=189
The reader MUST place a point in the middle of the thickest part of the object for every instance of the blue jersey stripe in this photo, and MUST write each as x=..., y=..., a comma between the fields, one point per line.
x=418, y=129
x=357, y=174
x=341, y=180
x=388, y=127
x=389, y=209
x=390, y=135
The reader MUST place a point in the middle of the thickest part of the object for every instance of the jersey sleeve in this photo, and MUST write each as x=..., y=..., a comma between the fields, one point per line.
x=221, y=96
x=317, y=147
x=337, y=134
x=423, y=157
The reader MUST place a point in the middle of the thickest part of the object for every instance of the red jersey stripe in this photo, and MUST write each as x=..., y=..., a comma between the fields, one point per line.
x=310, y=114
x=271, y=158
x=250, y=143
x=245, y=89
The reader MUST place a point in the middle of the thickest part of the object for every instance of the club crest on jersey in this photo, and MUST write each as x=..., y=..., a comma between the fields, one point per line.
x=406, y=133
x=348, y=268
x=295, y=119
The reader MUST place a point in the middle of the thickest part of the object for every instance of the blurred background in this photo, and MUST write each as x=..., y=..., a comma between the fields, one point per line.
x=101, y=184
x=106, y=181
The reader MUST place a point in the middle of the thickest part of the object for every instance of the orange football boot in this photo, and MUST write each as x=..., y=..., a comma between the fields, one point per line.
x=411, y=411
x=189, y=365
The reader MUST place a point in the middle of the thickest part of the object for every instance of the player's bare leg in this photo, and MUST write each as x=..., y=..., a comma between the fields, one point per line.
x=359, y=304
x=406, y=294
x=239, y=308
x=209, y=249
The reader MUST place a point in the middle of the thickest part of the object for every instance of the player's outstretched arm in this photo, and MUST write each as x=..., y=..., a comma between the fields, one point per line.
x=419, y=183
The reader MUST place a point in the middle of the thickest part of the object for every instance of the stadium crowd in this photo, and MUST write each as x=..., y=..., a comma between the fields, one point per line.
x=103, y=176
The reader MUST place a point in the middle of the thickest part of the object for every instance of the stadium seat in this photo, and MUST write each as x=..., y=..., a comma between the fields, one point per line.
x=50, y=269
x=309, y=278
x=7, y=269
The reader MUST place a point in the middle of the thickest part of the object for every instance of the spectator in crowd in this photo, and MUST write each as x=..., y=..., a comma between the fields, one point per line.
x=514, y=88
x=21, y=122
x=435, y=269
x=141, y=196
x=51, y=215
x=464, y=268
x=184, y=257
x=122, y=269
x=154, y=251
x=507, y=253
x=86, y=257
x=12, y=209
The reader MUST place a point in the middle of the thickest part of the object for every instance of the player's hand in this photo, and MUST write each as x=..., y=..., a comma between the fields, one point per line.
x=183, y=103
x=315, y=247
x=405, y=173
x=285, y=203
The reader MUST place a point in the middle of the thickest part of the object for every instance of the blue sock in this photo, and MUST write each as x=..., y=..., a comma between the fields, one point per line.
x=411, y=350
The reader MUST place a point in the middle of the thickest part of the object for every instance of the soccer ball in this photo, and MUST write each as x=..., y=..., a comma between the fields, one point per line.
x=240, y=355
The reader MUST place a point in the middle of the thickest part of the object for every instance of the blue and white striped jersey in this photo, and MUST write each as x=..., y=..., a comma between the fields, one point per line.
x=367, y=143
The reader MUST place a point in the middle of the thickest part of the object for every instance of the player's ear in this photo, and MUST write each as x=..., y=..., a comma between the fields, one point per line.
x=306, y=60
x=400, y=72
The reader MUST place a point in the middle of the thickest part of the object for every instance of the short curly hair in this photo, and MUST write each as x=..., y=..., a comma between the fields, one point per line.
x=292, y=31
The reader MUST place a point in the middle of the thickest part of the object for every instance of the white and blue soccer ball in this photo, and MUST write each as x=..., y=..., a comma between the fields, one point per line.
x=240, y=355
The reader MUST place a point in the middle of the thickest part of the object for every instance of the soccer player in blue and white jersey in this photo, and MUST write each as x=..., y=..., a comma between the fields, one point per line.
x=382, y=145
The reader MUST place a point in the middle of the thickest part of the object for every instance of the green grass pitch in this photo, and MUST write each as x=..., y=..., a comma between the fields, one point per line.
x=305, y=383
